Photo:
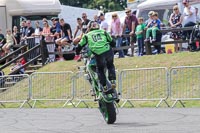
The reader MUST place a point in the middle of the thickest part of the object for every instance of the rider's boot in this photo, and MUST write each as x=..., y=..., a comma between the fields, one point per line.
x=113, y=84
x=107, y=90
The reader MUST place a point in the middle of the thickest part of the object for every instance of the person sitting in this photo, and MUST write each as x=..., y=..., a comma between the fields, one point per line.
x=155, y=27
x=17, y=66
x=10, y=40
x=66, y=38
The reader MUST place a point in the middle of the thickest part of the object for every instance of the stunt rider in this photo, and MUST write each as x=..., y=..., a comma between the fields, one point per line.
x=99, y=43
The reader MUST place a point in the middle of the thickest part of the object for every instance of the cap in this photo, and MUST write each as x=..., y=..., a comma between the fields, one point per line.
x=101, y=14
x=185, y=1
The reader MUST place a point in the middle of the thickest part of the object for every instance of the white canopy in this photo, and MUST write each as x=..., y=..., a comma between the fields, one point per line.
x=27, y=7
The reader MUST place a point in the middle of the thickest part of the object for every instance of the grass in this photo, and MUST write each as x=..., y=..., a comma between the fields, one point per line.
x=163, y=60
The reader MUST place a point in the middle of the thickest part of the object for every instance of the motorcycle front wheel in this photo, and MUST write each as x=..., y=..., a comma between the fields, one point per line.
x=108, y=111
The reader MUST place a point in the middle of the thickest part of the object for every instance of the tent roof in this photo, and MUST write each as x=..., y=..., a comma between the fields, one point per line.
x=27, y=7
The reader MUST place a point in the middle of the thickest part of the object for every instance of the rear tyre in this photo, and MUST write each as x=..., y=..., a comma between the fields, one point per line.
x=108, y=111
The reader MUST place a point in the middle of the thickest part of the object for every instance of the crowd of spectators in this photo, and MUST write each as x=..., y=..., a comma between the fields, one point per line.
x=61, y=34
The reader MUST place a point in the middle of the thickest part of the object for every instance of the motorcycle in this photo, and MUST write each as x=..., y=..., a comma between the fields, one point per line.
x=106, y=102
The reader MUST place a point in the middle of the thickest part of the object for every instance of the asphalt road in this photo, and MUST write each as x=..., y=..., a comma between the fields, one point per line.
x=144, y=120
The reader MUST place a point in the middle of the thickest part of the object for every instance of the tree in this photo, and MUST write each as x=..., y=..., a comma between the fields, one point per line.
x=104, y=5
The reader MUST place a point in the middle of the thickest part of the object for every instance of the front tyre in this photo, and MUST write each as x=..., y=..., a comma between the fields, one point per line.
x=108, y=111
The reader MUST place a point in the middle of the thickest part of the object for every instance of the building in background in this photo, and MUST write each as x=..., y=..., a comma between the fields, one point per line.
x=14, y=11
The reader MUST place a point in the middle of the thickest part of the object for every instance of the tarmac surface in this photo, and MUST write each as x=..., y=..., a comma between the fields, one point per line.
x=135, y=120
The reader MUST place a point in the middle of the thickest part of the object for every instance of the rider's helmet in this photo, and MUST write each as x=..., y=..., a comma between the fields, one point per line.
x=93, y=25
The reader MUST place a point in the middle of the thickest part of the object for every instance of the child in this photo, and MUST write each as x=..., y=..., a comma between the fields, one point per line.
x=10, y=39
x=139, y=33
x=156, y=26
x=16, y=66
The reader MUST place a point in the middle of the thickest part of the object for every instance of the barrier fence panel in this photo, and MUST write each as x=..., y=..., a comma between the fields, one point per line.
x=145, y=84
x=14, y=89
x=52, y=86
x=83, y=89
x=184, y=84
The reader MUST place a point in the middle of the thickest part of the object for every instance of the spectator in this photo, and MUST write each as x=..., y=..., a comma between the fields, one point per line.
x=189, y=14
x=23, y=28
x=198, y=18
x=2, y=41
x=140, y=38
x=96, y=19
x=10, y=40
x=129, y=27
x=57, y=27
x=1, y=38
x=17, y=66
x=104, y=24
x=16, y=34
x=176, y=22
x=148, y=23
x=66, y=38
x=85, y=23
x=38, y=32
x=156, y=26
x=29, y=30
x=46, y=32
x=78, y=27
x=66, y=35
x=116, y=32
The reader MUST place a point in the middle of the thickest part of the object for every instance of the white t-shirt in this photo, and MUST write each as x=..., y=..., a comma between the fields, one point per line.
x=37, y=38
x=189, y=18
x=104, y=25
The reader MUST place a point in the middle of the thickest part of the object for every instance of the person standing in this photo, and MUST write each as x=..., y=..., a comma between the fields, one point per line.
x=189, y=19
x=116, y=32
x=104, y=24
x=129, y=28
x=85, y=23
x=16, y=34
x=140, y=37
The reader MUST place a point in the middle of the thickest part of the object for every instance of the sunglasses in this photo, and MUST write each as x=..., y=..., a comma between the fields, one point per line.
x=84, y=17
x=114, y=16
x=127, y=12
x=175, y=9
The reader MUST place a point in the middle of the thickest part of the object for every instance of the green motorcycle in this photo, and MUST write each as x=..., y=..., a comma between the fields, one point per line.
x=106, y=101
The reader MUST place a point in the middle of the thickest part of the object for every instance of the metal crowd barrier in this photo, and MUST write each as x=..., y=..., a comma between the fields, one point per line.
x=184, y=84
x=14, y=89
x=144, y=84
x=82, y=89
x=52, y=86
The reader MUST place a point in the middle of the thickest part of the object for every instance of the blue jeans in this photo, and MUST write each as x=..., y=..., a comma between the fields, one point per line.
x=118, y=44
x=140, y=46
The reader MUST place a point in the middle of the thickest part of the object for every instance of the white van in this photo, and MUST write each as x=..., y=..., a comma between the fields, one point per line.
x=14, y=11
x=163, y=7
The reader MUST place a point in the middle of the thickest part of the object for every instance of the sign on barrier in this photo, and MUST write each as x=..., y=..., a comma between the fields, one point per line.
x=144, y=84
x=14, y=89
x=55, y=86
x=184, y=84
